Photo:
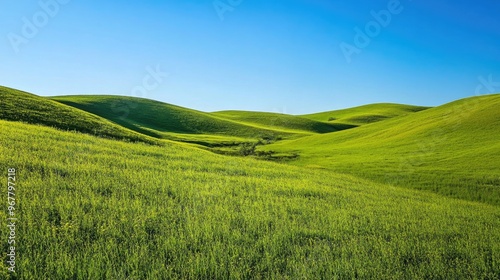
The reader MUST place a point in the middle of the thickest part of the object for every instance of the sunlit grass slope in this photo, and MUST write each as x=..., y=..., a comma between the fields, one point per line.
x=21, y=106
x=452, y=149
x=282, y=121
x=365, y=114
x=160, y=119
x=91, y=208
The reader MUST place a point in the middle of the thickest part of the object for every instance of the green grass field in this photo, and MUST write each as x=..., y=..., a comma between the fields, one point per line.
x=99, y=209
x=107, y=194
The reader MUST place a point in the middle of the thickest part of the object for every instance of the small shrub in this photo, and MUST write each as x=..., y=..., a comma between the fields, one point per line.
x=247, y=149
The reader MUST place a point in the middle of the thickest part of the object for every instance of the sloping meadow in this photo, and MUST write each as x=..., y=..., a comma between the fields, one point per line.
x=452, y=150
x=91, y=208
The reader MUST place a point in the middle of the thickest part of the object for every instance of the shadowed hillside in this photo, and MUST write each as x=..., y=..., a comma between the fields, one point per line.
x=283, y=121
x=21, y=106
x=156, y=118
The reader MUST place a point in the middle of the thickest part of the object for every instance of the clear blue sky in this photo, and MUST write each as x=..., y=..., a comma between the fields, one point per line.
x=264, y=55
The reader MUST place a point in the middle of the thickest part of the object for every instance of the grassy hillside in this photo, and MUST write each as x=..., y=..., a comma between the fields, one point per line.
x=365, y=114
x=92, y=208
x=21, y=106
x=282, y=121
x=451, y=149
x=161, y=120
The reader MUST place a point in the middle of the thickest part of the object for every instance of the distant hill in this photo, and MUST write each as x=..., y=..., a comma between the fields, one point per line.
x=160, y=119
x=365, y=114
x=282, y=121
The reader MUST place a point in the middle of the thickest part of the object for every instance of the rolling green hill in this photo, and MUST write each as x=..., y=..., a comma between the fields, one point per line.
x=21, y=106
x=282, y=121
x=167, y=121
x=451, y=149
x=92, y=208
x=103, y=209
x=365, y=114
